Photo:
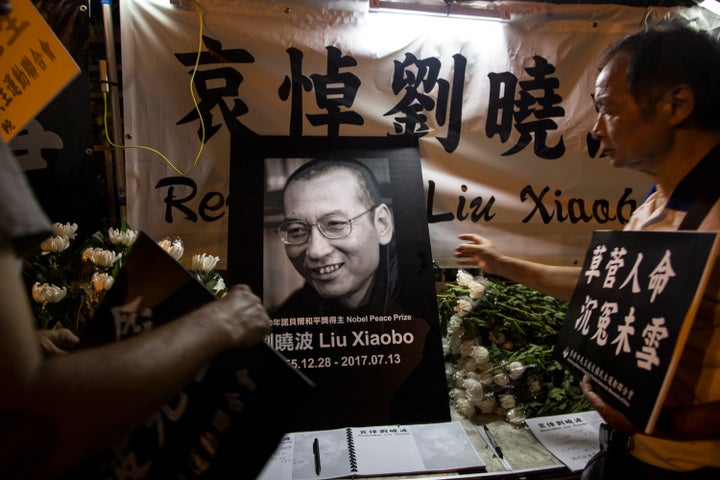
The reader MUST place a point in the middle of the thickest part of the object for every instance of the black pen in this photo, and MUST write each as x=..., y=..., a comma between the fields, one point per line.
x=316, y=454
x=493, y=442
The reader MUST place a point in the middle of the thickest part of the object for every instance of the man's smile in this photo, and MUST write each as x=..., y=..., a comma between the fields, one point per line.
x=326, y=269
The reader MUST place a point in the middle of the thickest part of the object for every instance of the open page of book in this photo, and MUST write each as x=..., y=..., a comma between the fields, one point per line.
x=573, y=438
x=373, y=450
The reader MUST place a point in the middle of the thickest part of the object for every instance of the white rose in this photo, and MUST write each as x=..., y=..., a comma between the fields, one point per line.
x=480, y=354
x=515, y=370
x=463, y=306
x=204, y=263
x=515, y=417
x=507, y=401
x=501, y=379
x=463, y=278
x=534, y=386
x=456, y=393
x=119, y=237
x=487, y=405
x=67, y=229
x=455, y=325
x=465, y=407
x=55, y=244
x=467, y=346
x=477, y=290
x=459, y=379
x=474, y=389
x=102, y=281
x=47, y=293
x=485, y=377
x=467, y=364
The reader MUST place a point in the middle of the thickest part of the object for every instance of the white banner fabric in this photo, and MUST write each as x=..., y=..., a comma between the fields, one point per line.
x=503, y=112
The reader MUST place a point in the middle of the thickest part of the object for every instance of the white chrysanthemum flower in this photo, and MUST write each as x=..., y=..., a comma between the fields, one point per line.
x=501, y=379
x=204, y=263
x=173, y=246
x=55, y=244
x=47, y=293
x=477, y=290
x=124, y=238
x=100, y=256
x=463, y=278
x=102, y=281
x=480, y=354
x=507, y=400
x=463, y=306
x=66, y=229
x=465, y=407
x=487, y=405
x=515, y=370
x=219, y=285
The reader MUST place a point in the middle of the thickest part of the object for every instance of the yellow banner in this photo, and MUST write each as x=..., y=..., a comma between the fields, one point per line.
x=34, y=67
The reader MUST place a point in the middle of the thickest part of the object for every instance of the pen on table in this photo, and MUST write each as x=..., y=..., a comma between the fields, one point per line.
x=493, y=442
x=316, y=454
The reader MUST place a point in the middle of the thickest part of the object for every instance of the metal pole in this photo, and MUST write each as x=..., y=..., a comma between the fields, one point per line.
x=114, y=107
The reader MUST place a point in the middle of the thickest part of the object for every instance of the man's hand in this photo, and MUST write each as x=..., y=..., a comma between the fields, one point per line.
x=611, y=416
x=242, y=314
x=478, y=252
x=56, y=341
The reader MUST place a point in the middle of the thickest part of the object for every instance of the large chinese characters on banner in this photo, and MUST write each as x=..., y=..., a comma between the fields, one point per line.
x=502, y=111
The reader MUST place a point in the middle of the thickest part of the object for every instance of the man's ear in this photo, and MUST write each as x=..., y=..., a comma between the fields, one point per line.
x=681, y=101
x=384, y=223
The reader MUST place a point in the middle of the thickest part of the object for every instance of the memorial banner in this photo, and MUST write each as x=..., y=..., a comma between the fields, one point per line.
x=502, y=111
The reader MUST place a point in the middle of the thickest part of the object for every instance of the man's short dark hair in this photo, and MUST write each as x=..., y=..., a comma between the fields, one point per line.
x=365, y=178
x=666, y=55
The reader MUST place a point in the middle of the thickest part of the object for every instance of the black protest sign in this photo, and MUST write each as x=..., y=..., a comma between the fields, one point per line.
x=380, y=360
x=631, y=312
x=228, y=421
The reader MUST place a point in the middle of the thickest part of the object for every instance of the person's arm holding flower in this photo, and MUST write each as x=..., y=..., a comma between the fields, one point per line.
x=479, y=252
x=84, y=401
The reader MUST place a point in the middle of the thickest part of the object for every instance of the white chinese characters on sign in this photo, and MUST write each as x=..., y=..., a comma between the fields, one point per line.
x=657, y=281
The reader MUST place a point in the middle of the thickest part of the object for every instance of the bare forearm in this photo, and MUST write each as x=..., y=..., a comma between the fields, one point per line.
x=94, y=397
x=551, y=280
x=480, y=252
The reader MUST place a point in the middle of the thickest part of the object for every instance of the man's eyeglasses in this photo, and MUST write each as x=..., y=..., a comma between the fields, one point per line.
x=295, y=232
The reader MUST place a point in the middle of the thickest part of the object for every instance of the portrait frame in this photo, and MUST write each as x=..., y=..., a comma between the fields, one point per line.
x=254, y=213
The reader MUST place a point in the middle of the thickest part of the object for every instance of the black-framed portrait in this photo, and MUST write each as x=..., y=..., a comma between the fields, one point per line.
x=332, y=233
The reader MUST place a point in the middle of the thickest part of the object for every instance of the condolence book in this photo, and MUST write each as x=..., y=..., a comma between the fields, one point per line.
x=374, y=450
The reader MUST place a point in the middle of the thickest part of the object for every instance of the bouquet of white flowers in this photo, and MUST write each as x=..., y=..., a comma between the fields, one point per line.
x=69, y=279
x=499, y=340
